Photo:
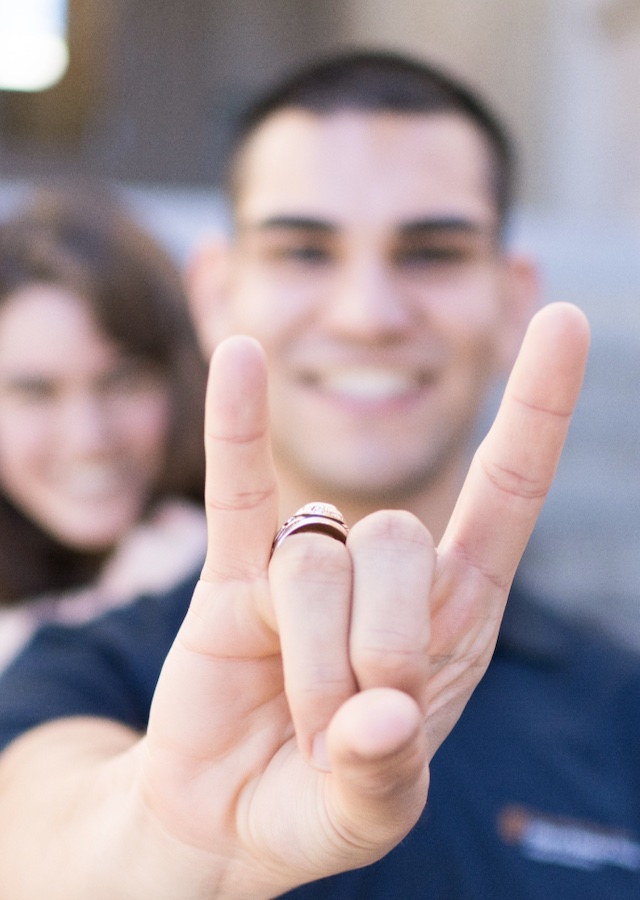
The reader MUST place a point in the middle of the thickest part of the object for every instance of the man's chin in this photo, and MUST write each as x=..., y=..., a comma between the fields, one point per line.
x=374, y=487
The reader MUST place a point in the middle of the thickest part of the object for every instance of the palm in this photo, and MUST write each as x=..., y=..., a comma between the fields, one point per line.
x=268, y=658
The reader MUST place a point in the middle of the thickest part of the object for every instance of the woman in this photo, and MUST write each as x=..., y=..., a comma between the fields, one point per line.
x=101, y=416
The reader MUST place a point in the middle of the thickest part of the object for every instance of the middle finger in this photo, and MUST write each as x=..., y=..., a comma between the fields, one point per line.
x=393, y=561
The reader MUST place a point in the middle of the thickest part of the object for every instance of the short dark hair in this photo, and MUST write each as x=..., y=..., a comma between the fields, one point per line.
x=86, y=242
x=380, y=81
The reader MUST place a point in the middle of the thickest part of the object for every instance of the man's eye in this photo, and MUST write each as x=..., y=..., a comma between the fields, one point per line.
x=430, y=255
x=308, y=253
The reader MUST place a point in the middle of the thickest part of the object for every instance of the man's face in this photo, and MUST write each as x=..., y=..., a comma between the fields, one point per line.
x=367, y=263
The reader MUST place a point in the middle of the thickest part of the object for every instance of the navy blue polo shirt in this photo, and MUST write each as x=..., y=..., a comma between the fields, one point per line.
x=535, y=793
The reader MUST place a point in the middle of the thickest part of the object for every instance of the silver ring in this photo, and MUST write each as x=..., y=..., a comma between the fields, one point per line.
x=323, y=518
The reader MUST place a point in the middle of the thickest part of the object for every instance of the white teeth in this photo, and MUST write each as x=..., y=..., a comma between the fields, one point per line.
x=369, y=384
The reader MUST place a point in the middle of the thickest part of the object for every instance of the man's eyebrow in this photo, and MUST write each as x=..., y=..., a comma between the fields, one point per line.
x=291, y=223
x=428, y=225
x=444, y=225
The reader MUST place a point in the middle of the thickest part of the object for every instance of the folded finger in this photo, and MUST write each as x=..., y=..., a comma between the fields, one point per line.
x=310, y=577
x=380, y=775
x=393, y=560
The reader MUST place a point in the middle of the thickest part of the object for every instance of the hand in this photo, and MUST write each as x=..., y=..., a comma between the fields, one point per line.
x=298, y=711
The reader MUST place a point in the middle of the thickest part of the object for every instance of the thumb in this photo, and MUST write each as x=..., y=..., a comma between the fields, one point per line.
x=376, y=746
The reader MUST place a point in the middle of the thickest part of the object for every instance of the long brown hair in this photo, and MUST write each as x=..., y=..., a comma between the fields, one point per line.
x=89, y=244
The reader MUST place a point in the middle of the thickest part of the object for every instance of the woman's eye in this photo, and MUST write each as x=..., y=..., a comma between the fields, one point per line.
x=128, y=378
x=31, y=390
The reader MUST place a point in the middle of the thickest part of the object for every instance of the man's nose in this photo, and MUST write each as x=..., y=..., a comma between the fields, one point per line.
x=367, y=301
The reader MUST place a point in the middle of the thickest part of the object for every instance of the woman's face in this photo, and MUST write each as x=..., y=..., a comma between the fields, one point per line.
x=83, y=426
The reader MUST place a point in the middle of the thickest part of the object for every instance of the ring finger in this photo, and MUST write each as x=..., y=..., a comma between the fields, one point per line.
x=311, y=581
x=393, y=561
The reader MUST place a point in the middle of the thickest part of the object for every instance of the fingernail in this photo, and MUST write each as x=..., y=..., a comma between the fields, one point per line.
x=319, y=752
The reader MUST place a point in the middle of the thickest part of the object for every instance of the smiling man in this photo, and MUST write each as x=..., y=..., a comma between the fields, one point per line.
x=368, y=262
x=278, y=731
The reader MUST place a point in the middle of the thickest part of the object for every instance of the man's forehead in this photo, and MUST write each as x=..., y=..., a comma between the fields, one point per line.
x=299, y=161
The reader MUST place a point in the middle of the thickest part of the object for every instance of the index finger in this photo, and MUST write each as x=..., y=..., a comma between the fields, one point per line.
x=241, y=489
x=514, y=466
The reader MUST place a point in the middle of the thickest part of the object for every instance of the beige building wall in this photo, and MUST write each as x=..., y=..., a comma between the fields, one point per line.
x=564, y=73
x=497, y=44
x=620, y=21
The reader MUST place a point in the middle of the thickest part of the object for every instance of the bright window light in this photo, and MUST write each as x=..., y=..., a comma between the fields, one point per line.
x=33, y=44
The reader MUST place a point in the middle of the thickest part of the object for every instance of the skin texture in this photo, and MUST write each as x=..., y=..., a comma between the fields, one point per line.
x=82, y=426
x=297, y=712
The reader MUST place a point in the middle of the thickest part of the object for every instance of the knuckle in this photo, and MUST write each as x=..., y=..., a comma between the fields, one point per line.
x=323, y=680
x=305, y=554
x=515, y=483
x=391, y=663
x=391, y=527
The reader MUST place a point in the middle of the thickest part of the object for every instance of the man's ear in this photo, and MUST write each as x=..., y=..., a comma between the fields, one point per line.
x=521, y=298
x=207, y=284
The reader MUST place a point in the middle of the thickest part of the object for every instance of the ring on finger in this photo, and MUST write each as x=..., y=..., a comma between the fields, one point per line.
x=322, y=518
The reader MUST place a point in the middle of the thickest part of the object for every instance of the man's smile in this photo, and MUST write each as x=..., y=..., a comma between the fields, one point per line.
x=367, y=383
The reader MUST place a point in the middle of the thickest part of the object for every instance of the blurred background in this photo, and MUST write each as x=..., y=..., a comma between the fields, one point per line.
x=143, y=94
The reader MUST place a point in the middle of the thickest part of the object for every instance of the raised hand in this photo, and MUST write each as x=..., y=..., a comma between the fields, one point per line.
x=302, y=702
